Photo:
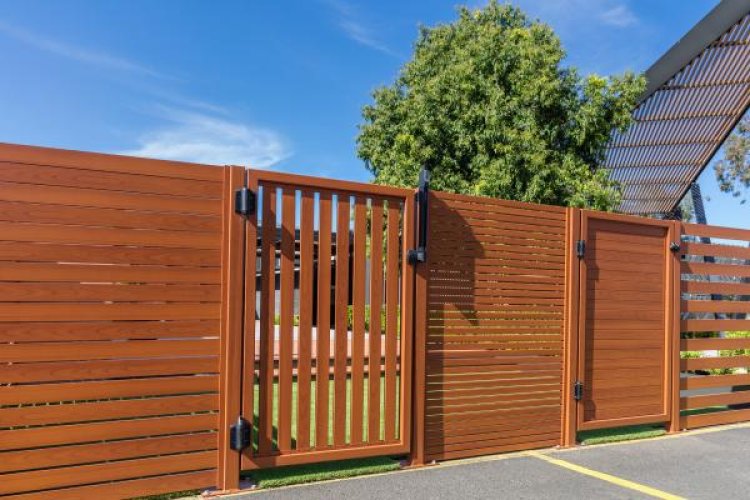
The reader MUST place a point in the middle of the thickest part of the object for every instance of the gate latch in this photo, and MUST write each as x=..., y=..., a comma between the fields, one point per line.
x=239, y=435
x=244, y=202
x=578, y=390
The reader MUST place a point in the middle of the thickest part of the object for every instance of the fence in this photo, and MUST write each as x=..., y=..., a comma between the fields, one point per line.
x=111, y=284
x=715, y=326
x=164, y=325
x=494, y=326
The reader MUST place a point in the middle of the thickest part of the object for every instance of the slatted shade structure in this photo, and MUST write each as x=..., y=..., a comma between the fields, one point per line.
x=697, y=92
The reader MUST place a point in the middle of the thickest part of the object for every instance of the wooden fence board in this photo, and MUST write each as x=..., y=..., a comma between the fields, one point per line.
x=111, y=293
x=494, y=326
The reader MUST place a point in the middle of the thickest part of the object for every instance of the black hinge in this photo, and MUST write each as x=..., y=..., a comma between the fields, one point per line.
x=239, y=435
x=674, y=246
x=578, y=390
x=244, y=202
x=580, y=248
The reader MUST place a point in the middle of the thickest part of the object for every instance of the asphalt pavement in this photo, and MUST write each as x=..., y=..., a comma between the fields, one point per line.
x=700, y=465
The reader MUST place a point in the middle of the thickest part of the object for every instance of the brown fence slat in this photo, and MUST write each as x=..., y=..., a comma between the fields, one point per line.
x=110, y=181
x=267, y=318
x=731, y=251
x=133, y=487
x=391, y=326
x=14, y=461
x=108, y=218
x=115, y=330
x=358, y=320
x=104, y=369
x=716, y=232
x=54, y=392
x=84, y=351
x=375, y=330
x=161, y=169
x=249, y=375
x=732, y=270
x=48, y=252
x=715, y=325
x=286, y=319
x=342, y=312
x=82, y=474
x=106, y=410
x=306, y=292
x=12, y=231
x=323, y=340
x=83, y=197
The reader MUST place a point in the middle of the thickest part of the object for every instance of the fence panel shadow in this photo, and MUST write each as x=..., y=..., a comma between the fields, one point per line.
x=495, y=326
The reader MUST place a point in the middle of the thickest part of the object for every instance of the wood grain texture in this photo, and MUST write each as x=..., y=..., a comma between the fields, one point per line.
x=112, y=276
x=495, y=308
x=331, y=264
x=624, y=341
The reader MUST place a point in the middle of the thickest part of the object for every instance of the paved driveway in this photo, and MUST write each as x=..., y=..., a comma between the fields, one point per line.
x=712, y=465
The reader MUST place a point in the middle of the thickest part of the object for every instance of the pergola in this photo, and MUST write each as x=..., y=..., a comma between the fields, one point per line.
x=697, y=92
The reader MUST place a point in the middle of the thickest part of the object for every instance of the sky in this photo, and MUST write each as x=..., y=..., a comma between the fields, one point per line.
x=268, y=84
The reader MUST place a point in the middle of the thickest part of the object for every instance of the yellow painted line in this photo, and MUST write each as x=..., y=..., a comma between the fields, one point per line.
x=624, y=483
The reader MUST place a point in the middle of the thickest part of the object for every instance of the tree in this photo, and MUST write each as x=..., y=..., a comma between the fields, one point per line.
x=733, y=170
x=487, y=105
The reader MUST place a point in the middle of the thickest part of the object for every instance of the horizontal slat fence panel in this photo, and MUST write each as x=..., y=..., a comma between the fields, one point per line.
x=329, y=287
x=495, y=299
x=110, y=322
x=715, y=325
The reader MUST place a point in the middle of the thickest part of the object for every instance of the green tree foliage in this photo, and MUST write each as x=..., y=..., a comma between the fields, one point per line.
x=486, y=103
x=733, y=170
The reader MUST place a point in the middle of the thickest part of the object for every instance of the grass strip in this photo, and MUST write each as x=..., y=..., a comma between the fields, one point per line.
x=309, y=473
x=629, y=433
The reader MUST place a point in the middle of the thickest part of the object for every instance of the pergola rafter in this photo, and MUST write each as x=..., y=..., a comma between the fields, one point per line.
x=696, y=94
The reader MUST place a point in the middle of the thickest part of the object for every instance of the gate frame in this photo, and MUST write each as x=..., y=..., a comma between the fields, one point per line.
x=577, y=316
x=246, y=460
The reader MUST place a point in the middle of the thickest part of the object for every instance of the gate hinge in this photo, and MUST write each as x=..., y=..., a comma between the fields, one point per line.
x=239, y=435
x=244, y=202
x=578, y=390
x=580, y=248
x=416, y=256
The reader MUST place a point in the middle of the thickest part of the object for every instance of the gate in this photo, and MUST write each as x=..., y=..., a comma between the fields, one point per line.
x=493, y=314
x=328, y=320
x=626, y=320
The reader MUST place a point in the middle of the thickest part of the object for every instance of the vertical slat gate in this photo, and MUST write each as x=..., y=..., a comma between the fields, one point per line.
x=333, y=332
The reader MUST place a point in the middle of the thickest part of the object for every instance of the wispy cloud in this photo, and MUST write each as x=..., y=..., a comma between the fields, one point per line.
x=77, y=53
x=202, y=138
x=619, y=16
x=354, y=27
x=573, y=13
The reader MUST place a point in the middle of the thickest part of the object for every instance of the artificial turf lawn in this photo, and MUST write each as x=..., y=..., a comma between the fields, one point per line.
x=299, y=474
x=331, y=409
x=629, y=433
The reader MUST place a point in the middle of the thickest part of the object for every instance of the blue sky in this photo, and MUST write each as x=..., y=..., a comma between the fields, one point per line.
x=274, y=84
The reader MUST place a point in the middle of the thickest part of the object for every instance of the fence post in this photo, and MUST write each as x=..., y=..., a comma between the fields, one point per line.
x=674, y=307
x=232, y=302
x=570, y=359
x=420, y=259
